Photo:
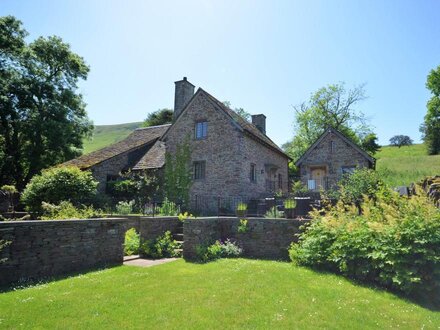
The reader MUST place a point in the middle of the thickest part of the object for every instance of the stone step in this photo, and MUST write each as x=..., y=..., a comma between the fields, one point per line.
x=179, y=242
x=178, y=236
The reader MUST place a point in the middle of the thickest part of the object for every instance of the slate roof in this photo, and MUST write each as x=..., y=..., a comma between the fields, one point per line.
x=153, y=158
x=139, y=137
x=329, y=130
x=248, y=127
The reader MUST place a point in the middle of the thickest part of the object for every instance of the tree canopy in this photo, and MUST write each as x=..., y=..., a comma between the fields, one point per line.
x=330, y=106
x=42, y=116
x=159, y=117
x=430, y=128
x=239, y=111
x=401, y=140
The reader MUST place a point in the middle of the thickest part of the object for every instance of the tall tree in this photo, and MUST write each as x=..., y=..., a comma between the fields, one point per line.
x=430, y=128
x=401, y=140
x=159, y=117
x=42, y=117
x=330, y=106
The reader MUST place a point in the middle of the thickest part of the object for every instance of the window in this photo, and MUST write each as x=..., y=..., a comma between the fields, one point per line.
x=280, y=181
x=112, y=177
x=253, y=174
x=332, y=146
x=347, y=169
x=199, y=170
x=201, y=130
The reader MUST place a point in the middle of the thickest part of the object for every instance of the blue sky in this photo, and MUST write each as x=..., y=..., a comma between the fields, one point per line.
x=264, y=56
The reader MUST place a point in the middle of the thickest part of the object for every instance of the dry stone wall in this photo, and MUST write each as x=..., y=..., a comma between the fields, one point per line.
x=265, y=238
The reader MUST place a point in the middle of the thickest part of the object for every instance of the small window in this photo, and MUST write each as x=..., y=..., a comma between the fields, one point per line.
x=253, y=174
x=199, y=170
x=201, y=130
x=112, y=177
x=332, y=146
x=347, y=169
x=280, y=181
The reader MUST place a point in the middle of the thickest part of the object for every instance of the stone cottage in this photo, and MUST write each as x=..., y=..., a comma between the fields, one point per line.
x=329, y=158
x=230, y=157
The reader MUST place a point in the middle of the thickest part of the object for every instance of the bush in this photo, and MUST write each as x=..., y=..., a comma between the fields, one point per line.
x=183, y=216
x=226, y=249
x=162, y=247
x=362, y=182
x=66, y=210
x=168, y=208
x=394, y=242
x=243, y=226
x=273, y=213
x=59, y=184
x=289, y=203
x=124, y=207
x=3, y=244
x=131, y=242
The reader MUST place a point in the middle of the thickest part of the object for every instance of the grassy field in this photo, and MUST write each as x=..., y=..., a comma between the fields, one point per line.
x=402, y=166
x=234, y=293
x=103, y=135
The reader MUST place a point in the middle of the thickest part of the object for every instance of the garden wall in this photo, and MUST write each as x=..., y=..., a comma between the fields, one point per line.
x=265, y=238
x=48, y=248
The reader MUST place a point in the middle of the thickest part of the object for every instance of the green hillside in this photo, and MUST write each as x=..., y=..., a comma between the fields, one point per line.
x=402, y=166
x=103, y=135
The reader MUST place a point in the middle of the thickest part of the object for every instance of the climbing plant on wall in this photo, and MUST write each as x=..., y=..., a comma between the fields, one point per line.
x=178, y=174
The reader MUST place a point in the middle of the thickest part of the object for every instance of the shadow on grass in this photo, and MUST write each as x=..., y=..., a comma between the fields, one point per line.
x=429, y=300
x=32, y=282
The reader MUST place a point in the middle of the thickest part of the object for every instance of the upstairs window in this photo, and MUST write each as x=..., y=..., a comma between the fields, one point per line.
x=253, y=173
x=332, y=146
x=201, y=130
x=199, y=170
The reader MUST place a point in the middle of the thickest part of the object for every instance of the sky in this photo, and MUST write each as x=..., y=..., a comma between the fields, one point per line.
x=263, y=56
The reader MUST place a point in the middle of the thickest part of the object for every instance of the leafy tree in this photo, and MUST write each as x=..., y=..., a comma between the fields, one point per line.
x=401, y=140
x=159, y=117
x=330, y=106
x=239, y=111
x=430, y=128
x=42, y=117
x=369, y=143
x=59, y=184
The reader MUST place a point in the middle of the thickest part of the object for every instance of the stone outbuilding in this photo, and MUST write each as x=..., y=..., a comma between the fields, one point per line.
x=329, y=158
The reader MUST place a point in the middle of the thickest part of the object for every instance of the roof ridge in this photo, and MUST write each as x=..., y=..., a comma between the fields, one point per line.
x=141, y=128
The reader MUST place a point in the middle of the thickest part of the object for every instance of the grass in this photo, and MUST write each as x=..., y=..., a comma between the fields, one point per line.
x=402, y=166
x=234, y=293
x=104, y=135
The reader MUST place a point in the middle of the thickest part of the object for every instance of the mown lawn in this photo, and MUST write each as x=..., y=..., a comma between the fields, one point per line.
x=224, y=294
x=402, y=166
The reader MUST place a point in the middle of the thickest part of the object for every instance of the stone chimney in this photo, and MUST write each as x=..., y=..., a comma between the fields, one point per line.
x=184, y=92
x=260, y=122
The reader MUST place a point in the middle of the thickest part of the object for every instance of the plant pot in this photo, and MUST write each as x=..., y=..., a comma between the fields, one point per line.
x=289, y=213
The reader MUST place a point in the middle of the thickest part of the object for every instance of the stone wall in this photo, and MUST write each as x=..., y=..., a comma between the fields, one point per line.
x=333, y=161
x=41, y=249
x=116, y=164
x=265, y=238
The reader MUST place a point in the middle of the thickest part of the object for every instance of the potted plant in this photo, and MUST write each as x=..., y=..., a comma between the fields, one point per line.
x=241, y=209
x=289, y=208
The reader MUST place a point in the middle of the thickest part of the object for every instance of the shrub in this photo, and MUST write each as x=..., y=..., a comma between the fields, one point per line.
x=273, y=213
x=289, y=203
x=10, y=191
x=124, y=207
x=299, y=188
x=241, y=206
x=362, y=182
x=394, y=242
x=131, y=242
x=183, y=216
x=66, y=210
x=168, y=208
x=122, y=189
x=243, y=226
x=59, y=184
x=162, y=247
x=226, y=249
